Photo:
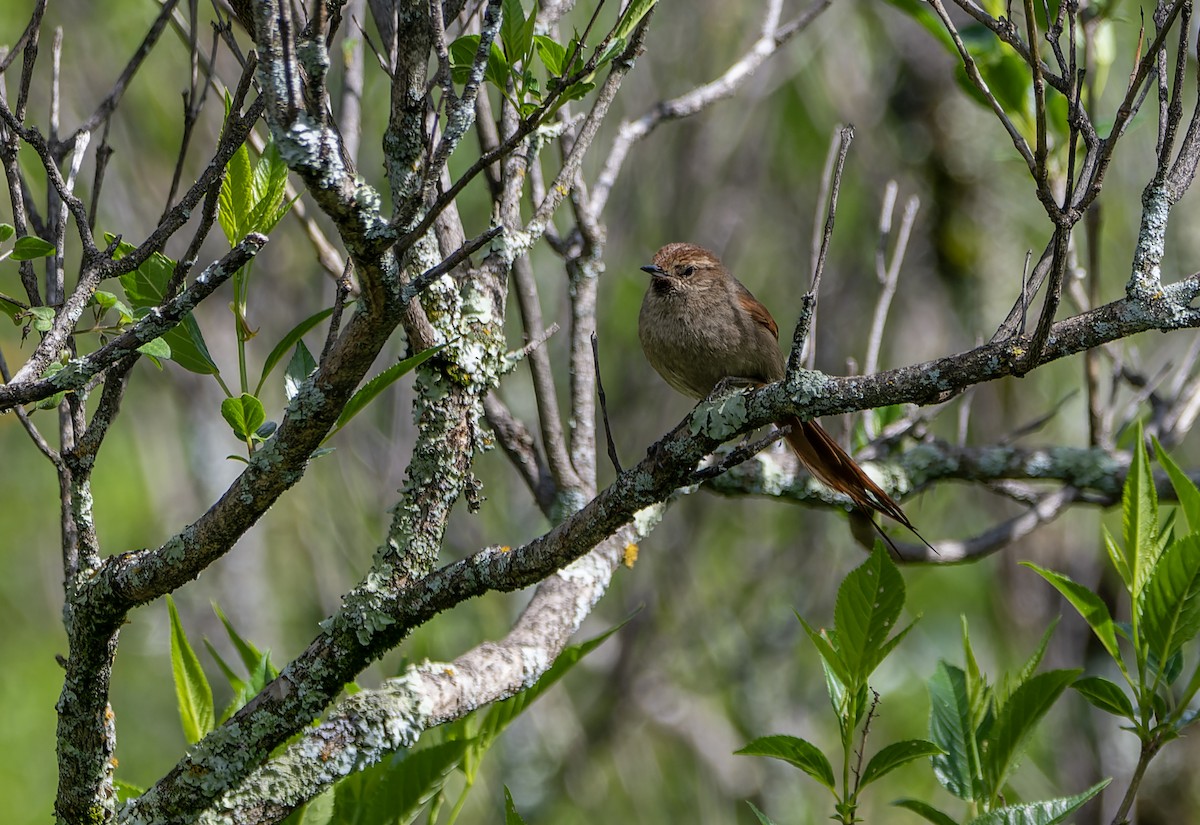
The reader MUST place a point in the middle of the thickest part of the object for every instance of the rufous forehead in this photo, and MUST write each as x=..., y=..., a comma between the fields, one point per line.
x=677, y=254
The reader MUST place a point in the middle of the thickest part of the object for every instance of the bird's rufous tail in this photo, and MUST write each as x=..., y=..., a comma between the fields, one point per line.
x=833, y=467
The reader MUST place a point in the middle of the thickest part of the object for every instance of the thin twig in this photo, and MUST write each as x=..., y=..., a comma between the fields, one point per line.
x=612, y=447
x=738, y=455
x=808, y=306
x=889, y=275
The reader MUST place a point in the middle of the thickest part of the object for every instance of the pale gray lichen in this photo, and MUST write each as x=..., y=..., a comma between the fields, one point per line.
x=720, y=418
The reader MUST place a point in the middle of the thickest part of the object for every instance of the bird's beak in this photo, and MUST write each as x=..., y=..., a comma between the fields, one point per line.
x=653, y=269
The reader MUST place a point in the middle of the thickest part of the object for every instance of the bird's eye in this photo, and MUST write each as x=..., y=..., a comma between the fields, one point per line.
x=687, y=271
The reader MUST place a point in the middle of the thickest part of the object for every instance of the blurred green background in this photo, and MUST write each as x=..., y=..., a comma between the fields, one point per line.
x=643, y=731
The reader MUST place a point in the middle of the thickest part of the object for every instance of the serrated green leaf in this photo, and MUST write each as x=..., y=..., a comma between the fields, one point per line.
x=267, y=191
x=286, y=344
x=31, y=247
x=244, y=414
x=298, y=369
x=192, y=691
x=397, y=788
x=511, y=816
x=1090, y=607
x=795, y=751
x=158, y=348
x=829, y=654
x=126, y=790
x=926, y=810
x=1170, y=610
x=367, y=392
x=236, y=682
x=1049, y=812
x=317, y=811
x=1117, y=556
x=957, y=768
x=1017, y=719
x=247, y=651
x=869, y=601
x=1139, y=516
x=11, y=307
x=551, y=53
x=1186, y=491
x=146, y=287
x=1031, y=664
x=501, y=714
x=516, y=31
x=633, y=14
x=235, y=200
x=762, y=818
x=894, y=756
x=1105, y=695
x=43, y=318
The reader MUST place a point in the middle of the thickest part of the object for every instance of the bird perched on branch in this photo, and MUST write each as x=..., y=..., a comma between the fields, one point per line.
x=700, y=326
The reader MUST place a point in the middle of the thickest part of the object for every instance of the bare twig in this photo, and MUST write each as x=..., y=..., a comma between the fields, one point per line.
x=612, y=447
x=808, y=306
x=888, y=274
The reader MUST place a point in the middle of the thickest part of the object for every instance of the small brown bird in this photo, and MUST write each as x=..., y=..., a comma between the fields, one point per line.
x=700, y=325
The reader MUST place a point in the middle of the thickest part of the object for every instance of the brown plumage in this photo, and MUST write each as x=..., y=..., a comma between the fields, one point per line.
x=699, y=325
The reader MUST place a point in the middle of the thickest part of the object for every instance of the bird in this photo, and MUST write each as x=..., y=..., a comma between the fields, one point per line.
x=699, y=326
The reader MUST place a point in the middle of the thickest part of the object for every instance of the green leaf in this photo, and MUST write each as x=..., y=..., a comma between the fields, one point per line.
x=192, y=691
x=317, y=811
x=634, y=12
x=1139, y=516
x=236, y=682
x=501, y=714
x=244, y=414
x=1185, y=490
x=395, y=789
x=795, y=751
x=1049, y=812
x=43, y=318
x=1117, y=556
x=1170, y=610
x=250, y=655
x=157, y=348
x=298, y=369
x=12, y=308
x=762, y=818
x=146, y=287
x=928, y=811
x=829, y=654
x=125, y=790
x=267, y=191
x=1105, y=695
x=462, y=59
x=516, y=32
x=236, y=197
x=552, y=54
x=869, y=601
x=287, y=342
x=367, y=392
x=1090, y=607
x=1031, y=664
x=6, y=231
x=1017, y=718
x=511, y=816
x=894, y=756
x=957, y=768
x=30, y=247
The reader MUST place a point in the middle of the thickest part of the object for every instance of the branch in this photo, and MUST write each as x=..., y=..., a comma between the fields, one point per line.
x=79, y=371
x=366, y=628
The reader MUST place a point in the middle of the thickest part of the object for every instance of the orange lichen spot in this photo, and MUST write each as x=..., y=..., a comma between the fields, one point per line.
x=629, y=558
